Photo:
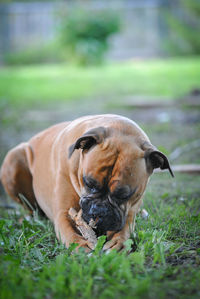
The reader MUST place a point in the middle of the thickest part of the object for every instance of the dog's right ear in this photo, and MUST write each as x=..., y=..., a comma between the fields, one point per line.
x=155, y=159
x=88, y=140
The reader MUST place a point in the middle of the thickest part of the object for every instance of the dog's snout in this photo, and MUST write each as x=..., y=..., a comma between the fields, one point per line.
x=97, y=210
x=105, y=215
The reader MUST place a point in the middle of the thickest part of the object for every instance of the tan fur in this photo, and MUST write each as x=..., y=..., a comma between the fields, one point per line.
x=42, y=171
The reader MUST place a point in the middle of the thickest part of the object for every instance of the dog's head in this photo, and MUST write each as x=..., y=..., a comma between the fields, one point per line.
x=114, y=168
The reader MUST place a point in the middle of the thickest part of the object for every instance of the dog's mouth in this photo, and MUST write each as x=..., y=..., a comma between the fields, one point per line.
x=93, y=222
x=101, y=215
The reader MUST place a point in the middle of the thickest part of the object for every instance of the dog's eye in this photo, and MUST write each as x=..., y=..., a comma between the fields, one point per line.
x=122, y=198
x=91, y=184
x=123, y=194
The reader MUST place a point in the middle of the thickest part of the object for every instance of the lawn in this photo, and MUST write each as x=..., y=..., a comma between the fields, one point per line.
x=165, y=263
x=26, y=85
x=165, y=257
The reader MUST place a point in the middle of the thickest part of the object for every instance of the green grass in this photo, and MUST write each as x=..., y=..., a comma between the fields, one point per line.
x=26, y=85
x=165, y=263
x=166, y=257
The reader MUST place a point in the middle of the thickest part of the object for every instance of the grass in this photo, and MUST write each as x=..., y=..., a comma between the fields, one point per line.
x=26, y=85
x=166, y=257
x=165, y=263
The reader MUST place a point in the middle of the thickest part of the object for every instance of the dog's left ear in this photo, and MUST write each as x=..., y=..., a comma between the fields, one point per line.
x=89, y=139
x=155, y=159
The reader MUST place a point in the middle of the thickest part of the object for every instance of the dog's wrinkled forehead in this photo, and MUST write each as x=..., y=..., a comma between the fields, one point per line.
x=118, y=177
x=114, y=166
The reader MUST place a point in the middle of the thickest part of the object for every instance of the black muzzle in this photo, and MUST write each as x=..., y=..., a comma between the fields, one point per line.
x=106, y=216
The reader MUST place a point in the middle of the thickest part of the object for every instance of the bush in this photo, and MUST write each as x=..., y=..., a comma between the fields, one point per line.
x=184, y=28
x=85, y=35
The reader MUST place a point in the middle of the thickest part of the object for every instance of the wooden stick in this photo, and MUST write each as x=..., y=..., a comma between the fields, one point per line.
x=86, y=230
x=185, y=168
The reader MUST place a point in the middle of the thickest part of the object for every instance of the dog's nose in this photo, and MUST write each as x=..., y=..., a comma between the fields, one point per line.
x=97, y=210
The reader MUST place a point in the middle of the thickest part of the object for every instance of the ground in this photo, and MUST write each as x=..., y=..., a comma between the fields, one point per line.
x=165, y=256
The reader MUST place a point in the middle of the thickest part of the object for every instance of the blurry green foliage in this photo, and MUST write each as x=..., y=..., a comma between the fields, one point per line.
x=85, y=35
x=170, y=78
x=48, y=53
x=184, y=28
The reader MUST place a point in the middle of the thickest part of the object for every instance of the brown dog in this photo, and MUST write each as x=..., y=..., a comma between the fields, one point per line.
x=99, y=163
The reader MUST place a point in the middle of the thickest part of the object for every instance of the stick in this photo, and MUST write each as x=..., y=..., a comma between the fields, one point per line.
x=185, y=168
x=84, y=228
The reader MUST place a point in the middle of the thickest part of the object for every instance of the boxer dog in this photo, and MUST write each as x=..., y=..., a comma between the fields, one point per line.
x=99, y=163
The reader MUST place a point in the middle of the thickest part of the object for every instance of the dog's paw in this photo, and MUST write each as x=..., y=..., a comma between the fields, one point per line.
x=82, y=243
x=115, y=243
x=86, y=245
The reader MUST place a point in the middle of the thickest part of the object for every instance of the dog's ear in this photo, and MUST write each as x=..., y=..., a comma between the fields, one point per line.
x=89, y=139
x=156, y=159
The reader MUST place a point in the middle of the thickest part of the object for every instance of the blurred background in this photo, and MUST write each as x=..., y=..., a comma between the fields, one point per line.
x=140, y=58
x=44, y=31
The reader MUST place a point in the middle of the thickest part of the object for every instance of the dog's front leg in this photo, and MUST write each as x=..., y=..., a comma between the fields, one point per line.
x=67, y=234
x=116, y=240
x=65, y=198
